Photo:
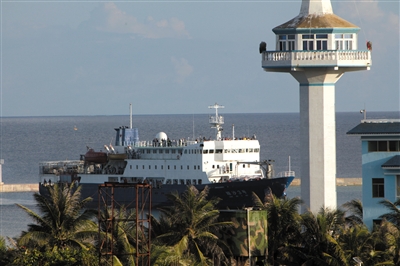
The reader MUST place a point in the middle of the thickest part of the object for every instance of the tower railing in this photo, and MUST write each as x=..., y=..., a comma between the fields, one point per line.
x=334, y=57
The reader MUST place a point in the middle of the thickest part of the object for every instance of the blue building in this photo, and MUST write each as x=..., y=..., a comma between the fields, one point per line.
x=380, y=144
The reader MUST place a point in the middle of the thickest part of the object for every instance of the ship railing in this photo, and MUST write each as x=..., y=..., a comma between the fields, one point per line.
x=172, y=143
x=57, y=167
x=285, y=174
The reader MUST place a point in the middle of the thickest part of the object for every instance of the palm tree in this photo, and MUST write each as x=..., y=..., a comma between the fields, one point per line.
x=190, y=227
x=355, y=207
x=394, y=215
x=357, y=241
x=62, y=222
x=320, y=238
x=283, y=226
x=118, y=232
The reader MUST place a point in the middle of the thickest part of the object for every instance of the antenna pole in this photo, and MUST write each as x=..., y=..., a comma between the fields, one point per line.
x=130, y=115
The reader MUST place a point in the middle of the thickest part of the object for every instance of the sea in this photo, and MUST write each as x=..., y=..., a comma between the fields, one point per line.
x=26, y=141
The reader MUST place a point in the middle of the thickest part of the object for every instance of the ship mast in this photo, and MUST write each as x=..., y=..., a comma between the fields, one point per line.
x=217, y=121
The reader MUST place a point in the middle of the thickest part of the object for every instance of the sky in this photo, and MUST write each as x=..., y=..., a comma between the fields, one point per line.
x=61, y=58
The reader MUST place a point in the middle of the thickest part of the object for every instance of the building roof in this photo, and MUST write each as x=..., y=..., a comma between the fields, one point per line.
x=393, y=162
x=377, y=127
x=316, y=21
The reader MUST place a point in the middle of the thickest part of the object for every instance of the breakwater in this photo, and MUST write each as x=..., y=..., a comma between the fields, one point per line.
x=340, y=181
x=19, y=187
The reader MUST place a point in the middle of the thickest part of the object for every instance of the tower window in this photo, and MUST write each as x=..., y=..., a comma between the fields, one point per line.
x=344, y=41
x=286, y=42
x=315, y=42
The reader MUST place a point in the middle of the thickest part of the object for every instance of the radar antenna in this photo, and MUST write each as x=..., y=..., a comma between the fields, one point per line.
x=217, y=121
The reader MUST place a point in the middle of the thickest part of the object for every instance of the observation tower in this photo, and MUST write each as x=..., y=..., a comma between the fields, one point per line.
x=317, y=48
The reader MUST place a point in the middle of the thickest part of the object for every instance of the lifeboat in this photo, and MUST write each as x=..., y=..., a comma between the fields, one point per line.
x=92, y=156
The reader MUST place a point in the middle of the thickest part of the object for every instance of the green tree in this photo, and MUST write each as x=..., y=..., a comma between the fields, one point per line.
x=355, y=208
x=283, y=227
x=320, y=233
x=118, y=228
x=62, y=221
x=189, y=226
x=393, y=215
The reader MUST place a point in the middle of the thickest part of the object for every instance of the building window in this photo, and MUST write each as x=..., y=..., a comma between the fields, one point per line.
x=343, y=41
x=398, y=186
x=378, y=188
x=383, y=146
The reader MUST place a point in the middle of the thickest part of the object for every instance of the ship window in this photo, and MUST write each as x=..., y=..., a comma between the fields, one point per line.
x=194, y=182
x=241, y=150
x=149, y=166
x=162, y=167
x=154, y=151
x=137, y=167
x=218, y=151
x=181, y=167
x=130, y=166
x=199, y=182
x=173, y=151
x=227, y=151
x=378, y=188
x=160, y=151
x=205, y=151
x=218, y=166
x=213, y=166
x=244, y=166
x=188, y=182
x=155, y=167
x=174, y=167
x=166, y=151
x=175, y=181
x=185, y=152
x=142, y=166
x=256, y=150
x=188, y=167
x=194, y=167
x=250, y=150
x=182, y=181
x=168, y=182
x=211, y=151
x=198, y=167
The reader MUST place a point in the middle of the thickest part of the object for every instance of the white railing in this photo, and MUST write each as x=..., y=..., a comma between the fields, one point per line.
x=316, y=55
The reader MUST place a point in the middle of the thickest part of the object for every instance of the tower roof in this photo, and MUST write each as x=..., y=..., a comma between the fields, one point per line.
x=316, y=21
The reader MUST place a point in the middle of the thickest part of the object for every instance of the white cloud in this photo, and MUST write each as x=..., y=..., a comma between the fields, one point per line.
x=182, y=69
x=118, y=21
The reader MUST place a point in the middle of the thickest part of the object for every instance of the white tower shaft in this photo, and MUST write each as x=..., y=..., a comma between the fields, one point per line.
x=309, y=7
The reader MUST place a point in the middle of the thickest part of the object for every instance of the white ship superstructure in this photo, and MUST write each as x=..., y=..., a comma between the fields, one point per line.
x=163, y=161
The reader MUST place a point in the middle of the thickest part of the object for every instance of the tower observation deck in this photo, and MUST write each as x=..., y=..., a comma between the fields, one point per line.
x=316, y=48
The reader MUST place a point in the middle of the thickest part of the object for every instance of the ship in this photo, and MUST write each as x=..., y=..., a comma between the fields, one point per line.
x=230, y=167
